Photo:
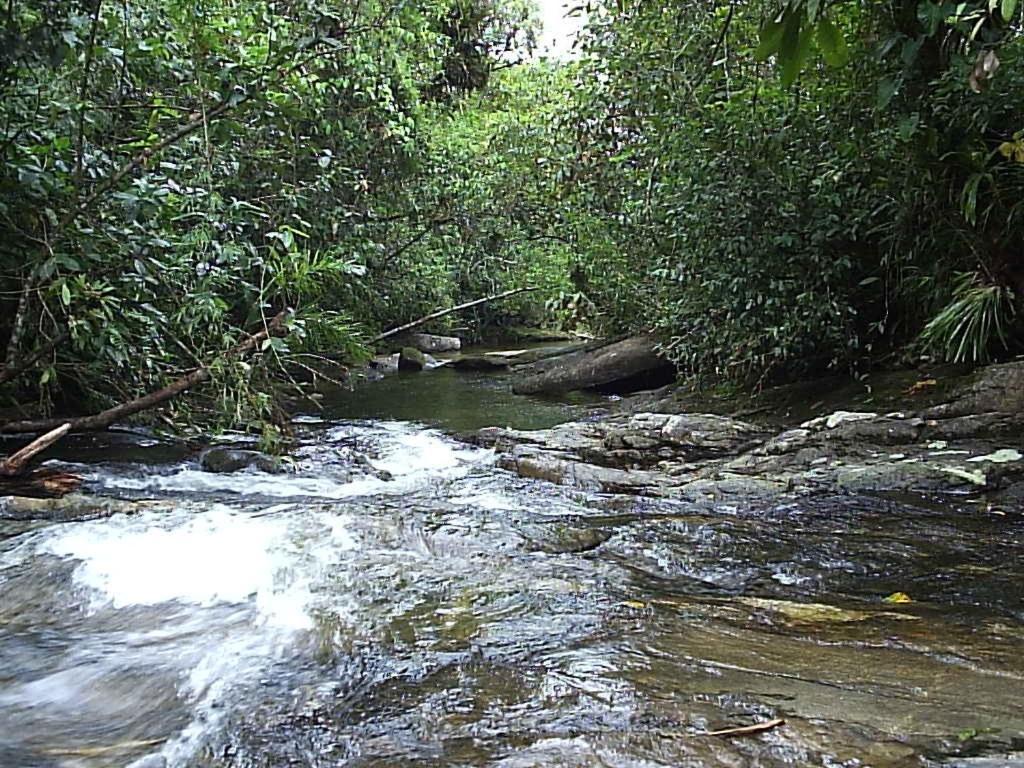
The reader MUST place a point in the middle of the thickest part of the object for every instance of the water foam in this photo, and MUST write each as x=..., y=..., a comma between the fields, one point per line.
x=414, y=458
x=268, y=564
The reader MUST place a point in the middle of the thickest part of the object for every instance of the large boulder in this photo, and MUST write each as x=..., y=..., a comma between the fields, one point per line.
x=523, y=333
x=428, y=342
x=622, y=366
x=411, y=359
x=480, y=363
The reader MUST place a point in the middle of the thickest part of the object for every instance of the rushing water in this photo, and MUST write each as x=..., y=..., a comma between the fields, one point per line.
x=459, y=615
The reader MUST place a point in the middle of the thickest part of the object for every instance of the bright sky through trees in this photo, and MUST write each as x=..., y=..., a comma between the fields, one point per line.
x=559, y=30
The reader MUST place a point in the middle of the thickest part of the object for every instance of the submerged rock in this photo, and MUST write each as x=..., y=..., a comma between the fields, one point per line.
x=225, y=460
x=564, y=538
x=72, y=507
x=480, y=363
x=622, y=366
x=411, y=359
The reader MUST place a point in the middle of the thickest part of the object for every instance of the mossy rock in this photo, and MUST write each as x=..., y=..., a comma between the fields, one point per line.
x=411, y=359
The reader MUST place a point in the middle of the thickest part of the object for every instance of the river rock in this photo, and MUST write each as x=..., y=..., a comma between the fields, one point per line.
x=537, y=335
x=622, y=366
x=72, y=507
x=480, y=363
x=558, y=538
x=385, y=363
x=428, y=342
x=225, y=460
x=411, y=359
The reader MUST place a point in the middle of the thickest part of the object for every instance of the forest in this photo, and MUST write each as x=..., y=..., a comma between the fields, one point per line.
x=774, y=189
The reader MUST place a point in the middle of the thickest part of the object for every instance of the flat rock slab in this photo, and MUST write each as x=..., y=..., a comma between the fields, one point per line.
x=429, y=342
x=708, y=457
x=600, y=367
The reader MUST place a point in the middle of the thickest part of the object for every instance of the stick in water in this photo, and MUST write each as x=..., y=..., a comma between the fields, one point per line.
x=16, y=463
x=748, y=729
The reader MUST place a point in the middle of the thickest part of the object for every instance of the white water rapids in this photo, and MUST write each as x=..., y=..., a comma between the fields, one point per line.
x=228, y=586
x=458, y=614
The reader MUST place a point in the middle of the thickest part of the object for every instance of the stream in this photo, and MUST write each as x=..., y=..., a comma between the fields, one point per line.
x=459, y=615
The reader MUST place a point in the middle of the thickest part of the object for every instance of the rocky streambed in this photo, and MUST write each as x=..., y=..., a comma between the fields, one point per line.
x=969, y=445
x=631, y=583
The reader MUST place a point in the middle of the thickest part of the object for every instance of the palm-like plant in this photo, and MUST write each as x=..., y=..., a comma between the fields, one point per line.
x=967, y=329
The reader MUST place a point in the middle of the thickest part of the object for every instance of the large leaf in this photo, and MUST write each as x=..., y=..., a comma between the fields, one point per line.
x=832, y=43
x=1007, y=9
x=796, y=45
x=771, y=39
x=887, y=88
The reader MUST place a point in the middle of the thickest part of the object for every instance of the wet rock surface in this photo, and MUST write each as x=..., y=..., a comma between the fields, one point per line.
x=411, y=359
x=429, y=342
x=993, y=389
x=228, y=460
x=972, y=444
x=480, y=363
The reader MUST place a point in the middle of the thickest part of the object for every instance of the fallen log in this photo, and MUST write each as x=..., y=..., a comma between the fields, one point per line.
x=443, y=312
x=16, y=479
x=104, y=419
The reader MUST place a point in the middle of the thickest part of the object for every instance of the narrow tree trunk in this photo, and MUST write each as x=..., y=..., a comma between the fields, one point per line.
x=14, y=371
x=18, y=326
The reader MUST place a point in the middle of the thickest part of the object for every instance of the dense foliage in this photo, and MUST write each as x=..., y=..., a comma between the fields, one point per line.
x=788, y=212
x=775, y=188
x=177, y=173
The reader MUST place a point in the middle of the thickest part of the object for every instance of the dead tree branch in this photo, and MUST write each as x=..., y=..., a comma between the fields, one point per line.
x=443, y=312
x=101, y=421
x=16, y=463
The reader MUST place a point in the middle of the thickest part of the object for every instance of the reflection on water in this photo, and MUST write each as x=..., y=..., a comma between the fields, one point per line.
x=459, y=615
x=455, y=400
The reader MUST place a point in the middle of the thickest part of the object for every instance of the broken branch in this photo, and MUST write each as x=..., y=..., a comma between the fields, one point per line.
x=15, y=463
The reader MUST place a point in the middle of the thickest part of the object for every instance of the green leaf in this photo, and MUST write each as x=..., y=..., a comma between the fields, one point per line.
x=887, y=88
x=796, y=44
x=65, y=295
x=1007, y=9
x=771, y=39
x=832, y=43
